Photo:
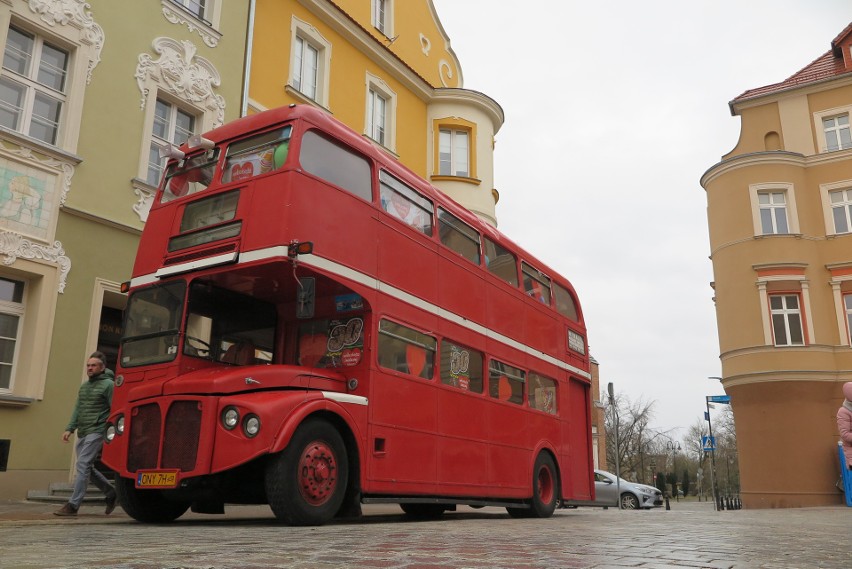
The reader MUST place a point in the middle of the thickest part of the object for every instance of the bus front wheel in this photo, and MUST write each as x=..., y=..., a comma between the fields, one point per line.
x=306, y=483
x=150, y=506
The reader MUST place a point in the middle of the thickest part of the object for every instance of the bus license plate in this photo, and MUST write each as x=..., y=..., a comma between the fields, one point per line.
x=157, y=479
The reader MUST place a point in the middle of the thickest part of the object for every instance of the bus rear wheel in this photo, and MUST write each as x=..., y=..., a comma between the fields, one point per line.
x=149, y=506
x=306, y=483
x=545, y=486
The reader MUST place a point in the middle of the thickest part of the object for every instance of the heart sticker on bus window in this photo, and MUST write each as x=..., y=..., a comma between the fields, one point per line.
x=242, y=171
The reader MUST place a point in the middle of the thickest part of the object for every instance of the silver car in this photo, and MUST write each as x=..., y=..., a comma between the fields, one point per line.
x=633, y=495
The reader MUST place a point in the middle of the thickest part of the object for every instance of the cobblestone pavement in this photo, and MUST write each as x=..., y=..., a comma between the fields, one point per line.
x=688, y=535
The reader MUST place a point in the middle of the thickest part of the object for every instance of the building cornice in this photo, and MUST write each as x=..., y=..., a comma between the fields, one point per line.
x=829, y=83
x=772, y=158
x=473, y=98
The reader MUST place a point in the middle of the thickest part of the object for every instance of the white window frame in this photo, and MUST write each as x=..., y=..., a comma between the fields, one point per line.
x=841, y=287
x=155, y=79
x=309, y=35
x=171, y=135
x=818, y=118
x=205, y=12
x=789, y=192
x=827, y=206
x=381, y=16
x=41, y=280
x=455, y=153
x=378, y=87
x=794, y=282
x=32, y=88
x=14, y=309
x=787, y=314
x=847, y=305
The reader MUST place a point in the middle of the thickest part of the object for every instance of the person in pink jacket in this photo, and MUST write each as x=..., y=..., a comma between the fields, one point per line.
x=844, y=423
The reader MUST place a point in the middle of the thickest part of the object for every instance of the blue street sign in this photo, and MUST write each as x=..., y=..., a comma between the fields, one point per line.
x=707, y=416
x=719, y=398
x=709, y=443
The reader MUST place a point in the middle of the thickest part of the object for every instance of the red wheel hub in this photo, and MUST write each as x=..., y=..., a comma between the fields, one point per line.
x=545, y=485
x=317, y=473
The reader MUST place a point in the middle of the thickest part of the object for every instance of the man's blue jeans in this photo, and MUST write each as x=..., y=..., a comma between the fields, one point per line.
x=88, y=449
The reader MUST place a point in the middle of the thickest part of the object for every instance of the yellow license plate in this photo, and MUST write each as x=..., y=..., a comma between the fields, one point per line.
x=157, y=479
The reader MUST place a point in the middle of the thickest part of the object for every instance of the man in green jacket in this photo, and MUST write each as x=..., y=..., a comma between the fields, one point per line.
x=89, y=420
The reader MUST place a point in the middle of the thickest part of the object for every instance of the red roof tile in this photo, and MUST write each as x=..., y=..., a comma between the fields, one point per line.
x=832, y=64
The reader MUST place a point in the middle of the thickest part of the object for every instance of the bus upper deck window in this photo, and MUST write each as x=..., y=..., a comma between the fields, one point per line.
x=190, y=176
x=256, y=155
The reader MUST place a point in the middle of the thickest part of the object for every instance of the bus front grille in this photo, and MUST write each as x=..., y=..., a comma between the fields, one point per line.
x=144, y=438
x=183, y=428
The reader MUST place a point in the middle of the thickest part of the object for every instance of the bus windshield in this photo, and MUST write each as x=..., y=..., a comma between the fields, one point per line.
x=227, y=327
x=191, y=175
x=152, y=325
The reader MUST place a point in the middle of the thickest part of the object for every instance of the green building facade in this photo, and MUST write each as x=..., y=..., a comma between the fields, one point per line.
x=89, y=91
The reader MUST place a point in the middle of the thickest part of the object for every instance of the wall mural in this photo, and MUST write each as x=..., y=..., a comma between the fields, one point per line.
x=27, y=197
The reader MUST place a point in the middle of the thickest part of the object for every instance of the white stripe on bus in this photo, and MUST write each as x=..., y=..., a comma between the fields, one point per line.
x=345, y=397
x=390, y=290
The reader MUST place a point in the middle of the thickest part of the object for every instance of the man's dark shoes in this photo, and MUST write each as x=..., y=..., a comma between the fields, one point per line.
x=110, y=503
x=66, y=510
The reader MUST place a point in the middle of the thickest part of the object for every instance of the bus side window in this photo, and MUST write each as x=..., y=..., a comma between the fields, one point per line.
x=461, y=366
x=506, y=382
x=536, y=284
x=405, y=204
x=405, y=350
x=340, y=166
x=542, y=395
x=500, y=262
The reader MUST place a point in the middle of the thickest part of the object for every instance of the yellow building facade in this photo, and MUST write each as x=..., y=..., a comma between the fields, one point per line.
x=779, y=209
x=386, y=69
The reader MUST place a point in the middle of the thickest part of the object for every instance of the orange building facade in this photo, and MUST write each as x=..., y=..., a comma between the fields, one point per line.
x=779, y=209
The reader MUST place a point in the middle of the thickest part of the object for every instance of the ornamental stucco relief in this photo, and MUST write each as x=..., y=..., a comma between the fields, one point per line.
x=75, y=13
x=180, y=72
x=174, y=16
x=14, y=246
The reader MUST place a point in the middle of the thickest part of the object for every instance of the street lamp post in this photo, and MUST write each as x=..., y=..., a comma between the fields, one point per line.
x=611, y=392
x=713, y=479
x=674, y=447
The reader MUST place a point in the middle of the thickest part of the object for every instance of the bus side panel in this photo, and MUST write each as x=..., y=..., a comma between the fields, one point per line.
x=461, y=286
x=504, y=311
x=577, y=481
x=402, y=444
x=340, y=225
x=462, y=440
x=407, y=260
x=509, y=460
x=541, y=328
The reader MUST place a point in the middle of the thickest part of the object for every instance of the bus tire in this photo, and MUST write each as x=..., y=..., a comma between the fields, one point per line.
x=424, y=511
x=545, y=487
x=306, y=482
x=149, y=506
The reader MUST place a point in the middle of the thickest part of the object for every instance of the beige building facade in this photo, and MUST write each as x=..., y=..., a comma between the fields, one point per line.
x=779, y=209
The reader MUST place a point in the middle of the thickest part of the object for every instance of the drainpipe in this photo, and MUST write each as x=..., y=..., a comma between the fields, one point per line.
x=247, y=70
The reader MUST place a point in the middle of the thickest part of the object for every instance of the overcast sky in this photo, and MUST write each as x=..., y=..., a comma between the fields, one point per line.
x=614, y=110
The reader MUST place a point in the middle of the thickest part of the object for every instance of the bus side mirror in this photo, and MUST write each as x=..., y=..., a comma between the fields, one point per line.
x=306, y=298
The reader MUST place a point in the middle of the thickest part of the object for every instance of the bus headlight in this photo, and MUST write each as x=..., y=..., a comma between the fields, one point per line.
x=119, y=424
x=230, y=418
x=251, y=425
x=110, y=433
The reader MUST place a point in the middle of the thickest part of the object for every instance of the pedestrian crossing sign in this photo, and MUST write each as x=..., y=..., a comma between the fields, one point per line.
x=709, y=443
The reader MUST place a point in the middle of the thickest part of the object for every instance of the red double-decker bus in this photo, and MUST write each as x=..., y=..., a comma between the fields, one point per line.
x=312, y=326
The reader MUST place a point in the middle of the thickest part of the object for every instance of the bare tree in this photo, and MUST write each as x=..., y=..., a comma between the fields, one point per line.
x=638, y=444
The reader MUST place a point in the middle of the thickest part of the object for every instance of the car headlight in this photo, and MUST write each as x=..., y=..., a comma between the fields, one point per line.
x=230, y=418
x=251, y=425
